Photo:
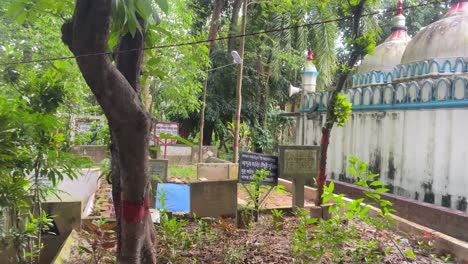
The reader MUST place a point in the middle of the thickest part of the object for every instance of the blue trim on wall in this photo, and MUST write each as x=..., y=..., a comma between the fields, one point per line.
x=407, y=106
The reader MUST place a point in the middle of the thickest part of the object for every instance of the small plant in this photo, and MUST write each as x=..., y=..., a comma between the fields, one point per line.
x=245, y=216
x=234, y=254
x=97, y=242
x=446, y=258
x=316, y=239
x=277, y=219
x=367, y=251
x=171, y=235
x=303, y=245
x=254, y=190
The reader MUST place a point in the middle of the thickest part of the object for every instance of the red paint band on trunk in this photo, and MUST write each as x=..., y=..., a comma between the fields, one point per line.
x=135, y=212
x=321, y=180
x=236, y=145
x=325, y=140
x=237, y=117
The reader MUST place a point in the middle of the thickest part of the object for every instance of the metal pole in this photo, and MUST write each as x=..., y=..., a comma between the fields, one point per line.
x=240, y=69
x=202, y=119
x=301, y=106
x=165, y=148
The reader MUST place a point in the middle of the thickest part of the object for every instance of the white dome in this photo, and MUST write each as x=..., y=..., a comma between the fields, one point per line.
x=386, y=55
x=445, y=38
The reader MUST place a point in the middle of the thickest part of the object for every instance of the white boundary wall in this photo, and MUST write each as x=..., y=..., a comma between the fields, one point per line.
x=421, y=154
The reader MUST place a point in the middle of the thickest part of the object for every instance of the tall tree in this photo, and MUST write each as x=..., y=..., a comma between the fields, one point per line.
x=360, y=41
x=116, y=88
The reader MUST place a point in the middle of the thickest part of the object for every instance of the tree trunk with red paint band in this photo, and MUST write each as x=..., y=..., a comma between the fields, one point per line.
x=135, y=212
x=117, y=90
x=331, y=115
x=322, y=176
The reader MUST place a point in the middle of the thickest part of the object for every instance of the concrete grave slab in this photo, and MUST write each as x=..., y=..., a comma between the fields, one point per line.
x=208, y=151
x=213, y=198
x=94, y=152
x=217, y=171
x=158, y=168
x=68, y=218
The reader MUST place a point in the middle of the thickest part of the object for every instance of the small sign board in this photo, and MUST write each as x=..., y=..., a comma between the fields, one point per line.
x=249, y=163
x=170, y=128
x=299, y=161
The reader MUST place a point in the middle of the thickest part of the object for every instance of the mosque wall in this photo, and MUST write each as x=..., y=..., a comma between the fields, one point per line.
x=420, y=154
x=410, y=112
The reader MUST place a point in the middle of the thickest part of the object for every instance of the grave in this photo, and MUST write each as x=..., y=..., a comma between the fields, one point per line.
x=216, y=171
x=67, y=218
x=208, y=151
x=213, y=198
x=94, y=152
x=158, y=168
x=205, y=199
x=298, y=163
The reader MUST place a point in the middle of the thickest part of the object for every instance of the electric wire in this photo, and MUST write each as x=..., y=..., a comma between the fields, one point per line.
x=380, y=12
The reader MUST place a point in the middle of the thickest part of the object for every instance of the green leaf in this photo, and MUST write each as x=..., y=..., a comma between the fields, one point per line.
x=331, y=187
x=388, y=250
x=311, y=221
x=144, y=8
x=155, y=148
x=381, y=190
x=178, y=138
x=163, y=4
x=153, y=62
x=353, y=160
x=377, y=183
x=409, y=253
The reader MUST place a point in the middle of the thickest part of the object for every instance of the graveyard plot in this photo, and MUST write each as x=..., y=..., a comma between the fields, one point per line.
x=201, y=225
x=219, y=241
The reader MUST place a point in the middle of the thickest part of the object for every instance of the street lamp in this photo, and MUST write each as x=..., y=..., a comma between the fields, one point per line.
x=309, y=83
x=237, y=60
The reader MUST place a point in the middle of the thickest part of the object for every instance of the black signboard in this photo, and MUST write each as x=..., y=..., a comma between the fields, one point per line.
x=249, y=163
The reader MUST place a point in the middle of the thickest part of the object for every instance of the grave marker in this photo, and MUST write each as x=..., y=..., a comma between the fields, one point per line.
x=159, y=168
x=213, y=198
x=299, y=163
x=249, y=163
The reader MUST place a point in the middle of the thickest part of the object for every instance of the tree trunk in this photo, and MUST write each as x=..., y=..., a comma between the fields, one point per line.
x=262, y=84
x=207, y=133
x=236, y=5
x=117, y=93
x=214, y=25
x=214, y=28
x=331, y=116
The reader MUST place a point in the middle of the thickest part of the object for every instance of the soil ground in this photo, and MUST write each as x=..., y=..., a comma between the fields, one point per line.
x=216, y=242
x=219, y=242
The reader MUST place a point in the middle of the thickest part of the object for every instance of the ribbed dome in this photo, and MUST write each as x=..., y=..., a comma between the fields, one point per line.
x=445, y=38
x=388, y=54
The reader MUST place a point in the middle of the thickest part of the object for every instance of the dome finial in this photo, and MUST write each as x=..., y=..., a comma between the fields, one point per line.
x=458, y=6
x=310, y=55
x=399, y=21
x=400, y=8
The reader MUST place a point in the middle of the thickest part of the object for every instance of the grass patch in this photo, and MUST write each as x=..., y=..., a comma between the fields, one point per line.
x=189, y=171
